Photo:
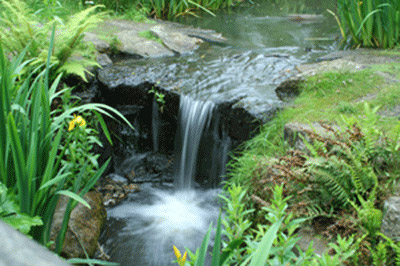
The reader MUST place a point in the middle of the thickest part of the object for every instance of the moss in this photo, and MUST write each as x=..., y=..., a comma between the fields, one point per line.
x=150, y=36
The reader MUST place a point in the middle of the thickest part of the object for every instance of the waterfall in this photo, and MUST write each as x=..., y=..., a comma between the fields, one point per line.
x=194, y=118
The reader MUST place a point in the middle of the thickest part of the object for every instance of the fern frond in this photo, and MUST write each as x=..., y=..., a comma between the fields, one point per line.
x=78, y=67
x=334, y=184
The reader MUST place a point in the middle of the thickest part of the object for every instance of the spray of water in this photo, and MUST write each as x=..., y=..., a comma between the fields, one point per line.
x=156, y=219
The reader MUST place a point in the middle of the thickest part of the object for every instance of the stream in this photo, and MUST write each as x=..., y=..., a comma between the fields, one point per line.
x=263, y=48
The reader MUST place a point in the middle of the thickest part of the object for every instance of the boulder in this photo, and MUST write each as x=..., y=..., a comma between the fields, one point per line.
x=17, y=249
x=84, y=227
x=175, y=38
x=391, y=218
x=176, y=41
x=342, y=61
x=293, y=131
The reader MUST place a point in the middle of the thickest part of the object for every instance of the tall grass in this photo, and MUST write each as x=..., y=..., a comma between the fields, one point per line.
x=168, y=8
x=369, y=23
x=31, y=149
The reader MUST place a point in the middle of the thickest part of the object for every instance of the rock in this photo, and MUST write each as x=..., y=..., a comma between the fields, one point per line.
x=84, y=227
x=176, y=38
x=176, y=41
x=129, y=83
x=305, y=17
x=390, y=112
x=391, y=218
x=103, y=59
x=18, y=249
x=308, y=234
x=289, y=89
x=204, y=34
x=135, y=45
x=292, y=132
x=351, y=61
x=147, y=167
x=100, y=45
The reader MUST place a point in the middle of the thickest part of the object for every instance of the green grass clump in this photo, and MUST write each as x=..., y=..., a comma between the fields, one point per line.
x=369, y=23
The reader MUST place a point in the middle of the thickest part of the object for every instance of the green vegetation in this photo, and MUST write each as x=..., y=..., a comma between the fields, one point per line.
x=369, y=23
x=150, y=36
x=168, y=9
x=340, y=179
x=39, y=159
x=21, y=28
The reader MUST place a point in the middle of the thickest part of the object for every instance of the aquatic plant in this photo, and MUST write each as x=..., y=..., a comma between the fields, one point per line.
x=369, y=23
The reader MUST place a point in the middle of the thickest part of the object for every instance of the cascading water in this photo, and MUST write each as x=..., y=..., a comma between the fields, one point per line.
x=159, y=217
x=263, y=48
x=194, y=118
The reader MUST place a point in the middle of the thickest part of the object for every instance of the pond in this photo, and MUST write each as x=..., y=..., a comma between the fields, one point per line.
x=264, y=45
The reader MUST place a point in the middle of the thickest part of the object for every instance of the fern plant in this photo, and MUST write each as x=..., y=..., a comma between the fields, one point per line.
x=20, y=27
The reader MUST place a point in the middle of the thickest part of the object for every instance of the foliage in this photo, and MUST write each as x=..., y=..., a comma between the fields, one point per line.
x=236, y=220
x=271, y=244
x=20, y=27
x=369, y=23
x=10, y=214
x=31, y=147
x=166, y=8
x=159, y=97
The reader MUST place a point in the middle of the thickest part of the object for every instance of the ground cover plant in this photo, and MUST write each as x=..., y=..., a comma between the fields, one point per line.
x=339, y=180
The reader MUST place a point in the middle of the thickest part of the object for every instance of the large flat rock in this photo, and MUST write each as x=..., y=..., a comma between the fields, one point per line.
x=174, y=38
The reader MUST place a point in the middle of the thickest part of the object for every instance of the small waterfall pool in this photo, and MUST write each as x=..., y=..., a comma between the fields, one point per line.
x=263, y=48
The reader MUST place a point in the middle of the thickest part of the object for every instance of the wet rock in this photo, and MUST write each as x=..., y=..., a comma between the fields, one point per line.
x=114, y=191
x=391, y=218
x=305, y=17
x=147, y=167
x=17, y=249
x=289, y=89
x=130, y=83
x=84, y=227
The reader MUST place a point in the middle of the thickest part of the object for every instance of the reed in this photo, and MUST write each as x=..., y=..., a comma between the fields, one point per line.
x=369, y=23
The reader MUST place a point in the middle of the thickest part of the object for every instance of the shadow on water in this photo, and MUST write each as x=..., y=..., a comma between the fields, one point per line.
x=264, y=46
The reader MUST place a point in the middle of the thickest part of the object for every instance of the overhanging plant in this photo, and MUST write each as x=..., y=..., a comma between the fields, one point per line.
x=31, y=147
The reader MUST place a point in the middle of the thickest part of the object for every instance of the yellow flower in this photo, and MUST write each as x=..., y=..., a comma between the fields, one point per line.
x=77, y=120
x=181, y=259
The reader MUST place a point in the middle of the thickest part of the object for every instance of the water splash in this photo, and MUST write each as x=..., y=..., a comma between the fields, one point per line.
x=167, y=218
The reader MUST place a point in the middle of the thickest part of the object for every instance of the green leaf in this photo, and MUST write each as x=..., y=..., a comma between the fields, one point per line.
x=74, y=196
x=22, y=222
x=94, y=261
x=203, y=249
x=264, y=247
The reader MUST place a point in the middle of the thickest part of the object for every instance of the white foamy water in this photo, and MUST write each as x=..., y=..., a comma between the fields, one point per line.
x=165, y=218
